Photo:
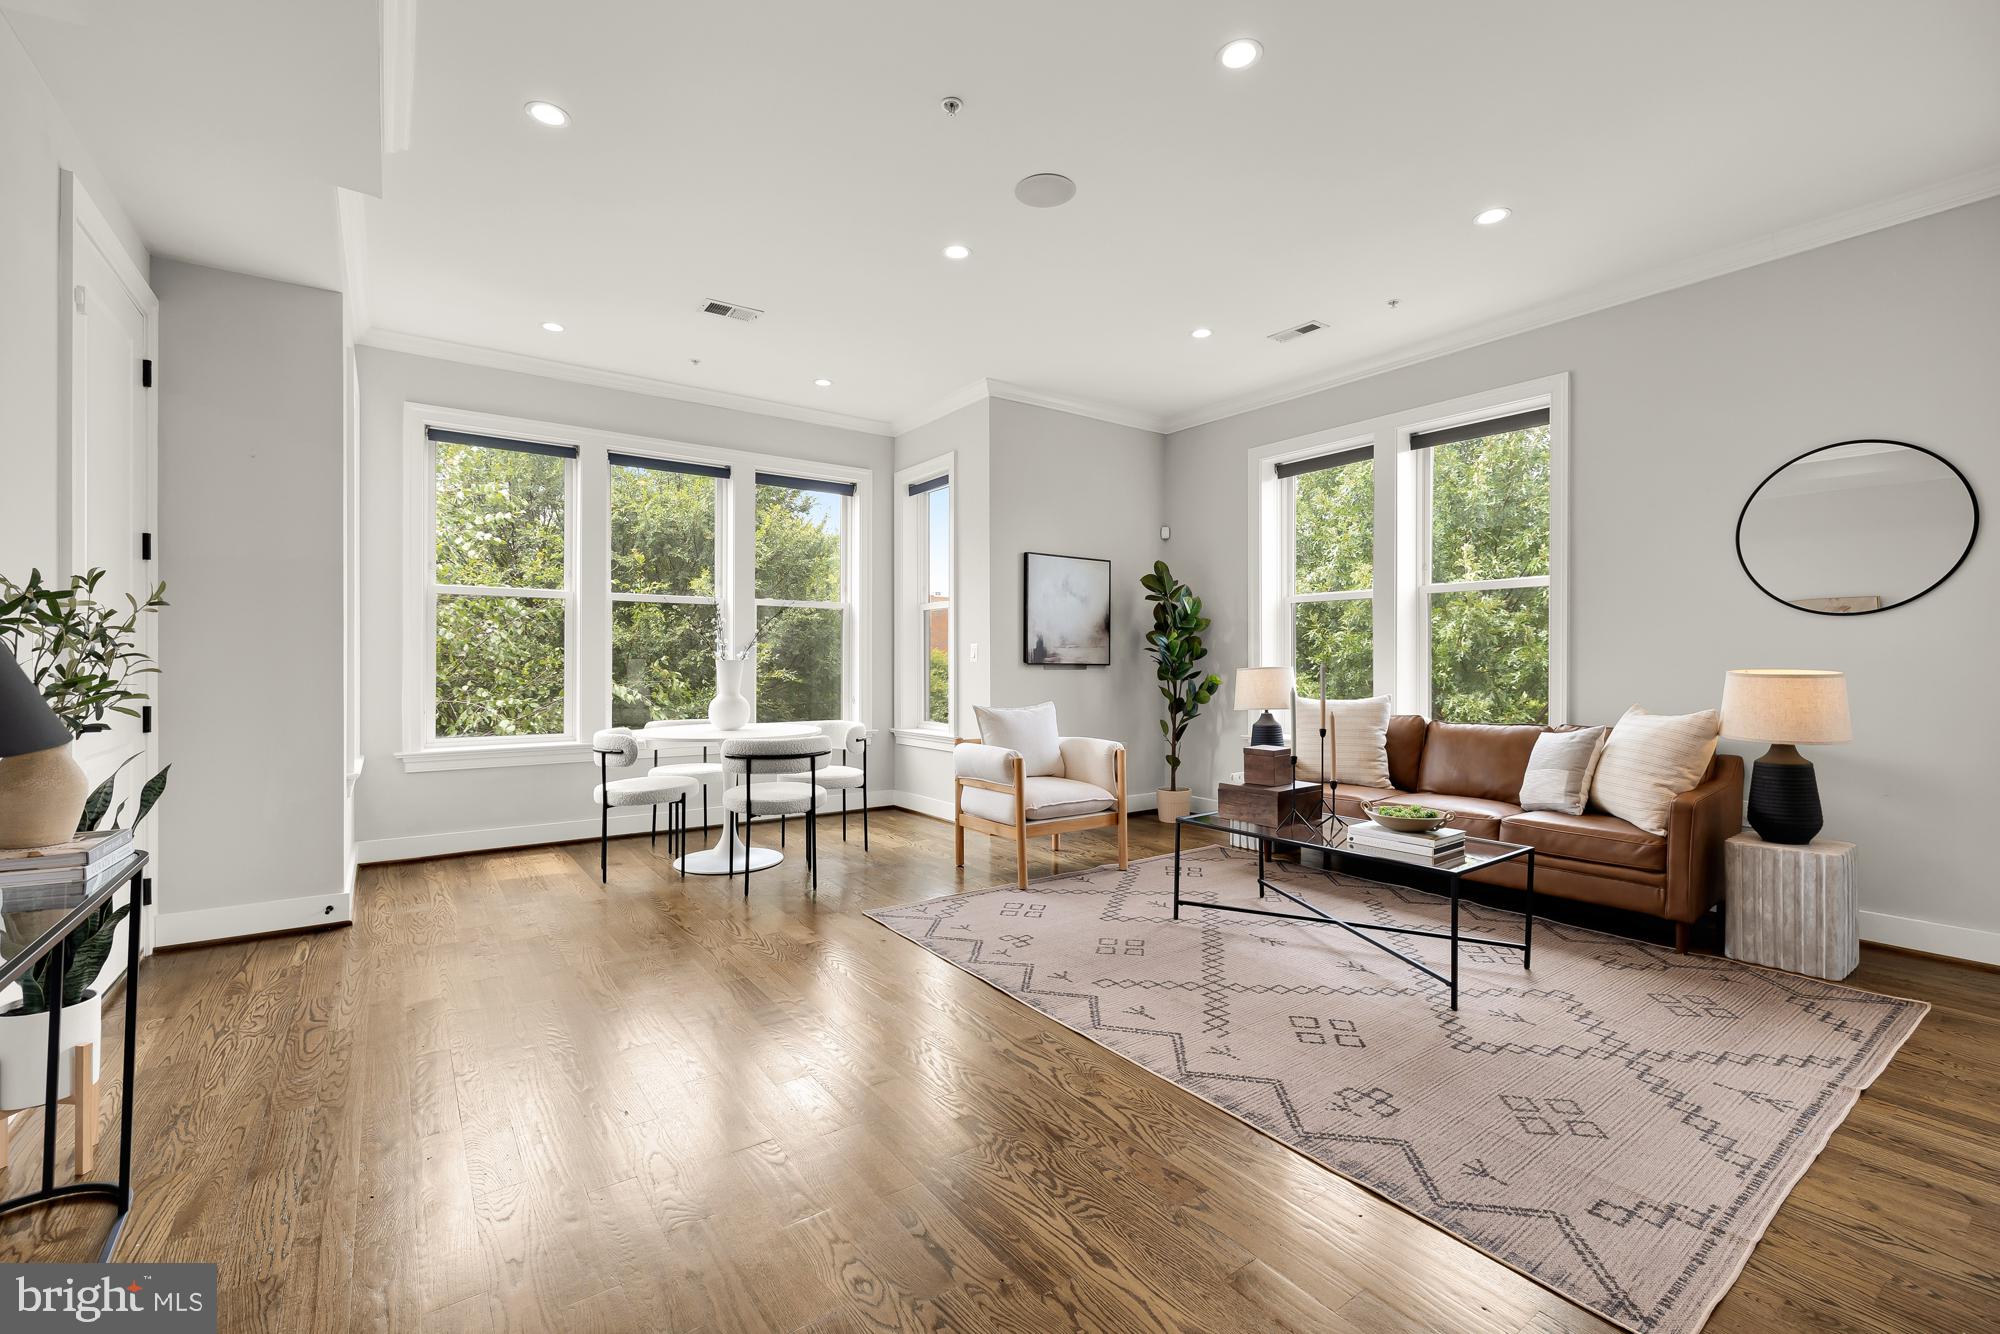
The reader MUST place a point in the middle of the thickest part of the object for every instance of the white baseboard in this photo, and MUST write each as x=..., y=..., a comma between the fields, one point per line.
x=251, y=919
x=630, y=820
x=1914, y=933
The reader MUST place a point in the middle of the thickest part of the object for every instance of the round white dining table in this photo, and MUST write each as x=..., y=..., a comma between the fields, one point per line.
x=718, y=859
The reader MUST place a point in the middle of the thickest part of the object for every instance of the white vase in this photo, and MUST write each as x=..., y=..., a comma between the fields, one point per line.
x=729, y=710
x=24, y=1051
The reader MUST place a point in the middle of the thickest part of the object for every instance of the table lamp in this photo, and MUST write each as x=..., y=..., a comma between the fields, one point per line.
x=42, y=790
x=1788, y=708
x=1265, y=688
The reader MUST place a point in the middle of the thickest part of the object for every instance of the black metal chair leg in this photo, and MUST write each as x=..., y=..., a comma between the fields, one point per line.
x=843, y=815
x=781, y=831
x=864, y=801
x=747, y=855
x=653, y=827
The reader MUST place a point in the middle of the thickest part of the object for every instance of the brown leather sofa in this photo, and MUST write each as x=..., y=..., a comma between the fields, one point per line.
x=1473, y=771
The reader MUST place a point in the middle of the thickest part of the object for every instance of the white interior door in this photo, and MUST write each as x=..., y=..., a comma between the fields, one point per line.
x=107, y=508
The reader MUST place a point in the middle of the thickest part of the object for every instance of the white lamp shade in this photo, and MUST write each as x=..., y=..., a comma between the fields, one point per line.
x=1789, y=705
x=1263, y=687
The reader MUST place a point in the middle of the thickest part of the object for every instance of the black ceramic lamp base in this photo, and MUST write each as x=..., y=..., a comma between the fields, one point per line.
x=1784, y=797
x=1266, y=731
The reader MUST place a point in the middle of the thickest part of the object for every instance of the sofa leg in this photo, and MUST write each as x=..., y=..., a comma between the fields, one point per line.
x=1680, y=937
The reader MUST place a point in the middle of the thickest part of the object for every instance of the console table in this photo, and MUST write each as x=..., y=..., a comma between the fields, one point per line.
x=65, y=909
x=1792, y=906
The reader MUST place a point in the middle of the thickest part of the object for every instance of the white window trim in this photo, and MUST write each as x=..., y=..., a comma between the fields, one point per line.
x=587, y=565
x=912, y=686
x=1402, y=667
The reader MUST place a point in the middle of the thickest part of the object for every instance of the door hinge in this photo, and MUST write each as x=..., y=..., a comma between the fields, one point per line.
x=145, y=546
x=146, y=373
x=145, y=891
x=145, y=718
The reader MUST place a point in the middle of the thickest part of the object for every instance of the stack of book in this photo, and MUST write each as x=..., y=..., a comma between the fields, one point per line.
x=1441, y=847
x=61, y=869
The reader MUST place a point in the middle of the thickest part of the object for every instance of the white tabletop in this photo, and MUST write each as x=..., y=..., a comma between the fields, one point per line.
x=708, y=734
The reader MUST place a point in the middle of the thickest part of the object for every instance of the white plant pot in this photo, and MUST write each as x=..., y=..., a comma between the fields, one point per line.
x=24, y=1048
x=729, y=710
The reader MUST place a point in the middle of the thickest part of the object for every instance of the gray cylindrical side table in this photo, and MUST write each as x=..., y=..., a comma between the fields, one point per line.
x=1792, y=905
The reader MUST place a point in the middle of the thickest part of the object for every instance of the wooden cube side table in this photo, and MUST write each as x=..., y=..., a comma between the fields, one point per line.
x=1792, y=905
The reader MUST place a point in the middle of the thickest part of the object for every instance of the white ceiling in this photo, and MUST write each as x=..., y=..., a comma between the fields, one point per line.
x=221, y=125
x=792, y=156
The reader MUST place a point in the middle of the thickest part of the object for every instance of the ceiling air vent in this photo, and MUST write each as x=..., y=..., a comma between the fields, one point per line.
x=1297, y=331
x=731, y=311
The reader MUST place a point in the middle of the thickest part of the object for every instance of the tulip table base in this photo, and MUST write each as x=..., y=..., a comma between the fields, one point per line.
x=715, y=860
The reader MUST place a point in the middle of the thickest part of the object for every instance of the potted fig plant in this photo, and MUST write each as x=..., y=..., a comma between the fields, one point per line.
x=83, y=656
x=1177, y=648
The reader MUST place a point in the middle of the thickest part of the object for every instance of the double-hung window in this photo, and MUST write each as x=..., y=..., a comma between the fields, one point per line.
x=1483, y=524
x=1330, y=597
x=499, y=602
x=667, y=569
x=930, y=528
x=802, y=596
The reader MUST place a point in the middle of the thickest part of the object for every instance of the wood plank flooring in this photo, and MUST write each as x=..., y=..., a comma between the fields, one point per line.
x=509, y=1098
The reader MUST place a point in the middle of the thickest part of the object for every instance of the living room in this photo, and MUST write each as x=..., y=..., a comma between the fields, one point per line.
x=1338, y=651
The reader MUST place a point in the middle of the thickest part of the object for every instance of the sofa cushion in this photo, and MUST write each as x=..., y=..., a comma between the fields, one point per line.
x=1604, y=839
x=1477, y=816
x=1031, y=731
x=1406, y=749
x=1476, y=760
x=1048, y=799
x=1357, y=731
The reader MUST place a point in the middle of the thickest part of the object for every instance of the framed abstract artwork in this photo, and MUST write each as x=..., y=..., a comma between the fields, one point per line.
x=1065, y=610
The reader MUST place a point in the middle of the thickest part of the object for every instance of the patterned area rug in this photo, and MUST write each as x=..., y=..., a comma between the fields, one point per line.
x=1620, y=1124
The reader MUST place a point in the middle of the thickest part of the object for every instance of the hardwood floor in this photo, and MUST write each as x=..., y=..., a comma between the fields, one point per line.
x=509, y=1098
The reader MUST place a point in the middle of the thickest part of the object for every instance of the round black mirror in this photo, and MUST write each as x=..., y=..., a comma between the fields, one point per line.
x=1857, y=527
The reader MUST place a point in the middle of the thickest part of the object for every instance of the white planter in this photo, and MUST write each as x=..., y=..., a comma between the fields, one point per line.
x=24, y=1047
x=730, y=709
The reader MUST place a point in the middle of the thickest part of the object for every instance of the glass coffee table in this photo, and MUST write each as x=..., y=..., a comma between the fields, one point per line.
x=1329, y=836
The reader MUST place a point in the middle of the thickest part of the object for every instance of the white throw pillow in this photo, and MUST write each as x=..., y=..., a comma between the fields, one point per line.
x=1032, y=731
x=1560, y=769
x=1358, y=731
x=1651, y=758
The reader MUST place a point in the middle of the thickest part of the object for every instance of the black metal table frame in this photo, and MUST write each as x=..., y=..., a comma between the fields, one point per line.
x=1267, y=836
x=56, y=941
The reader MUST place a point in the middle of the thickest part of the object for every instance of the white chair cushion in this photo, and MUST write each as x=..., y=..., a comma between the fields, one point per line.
x=651, y=790
x=839, y=775
x=617, y=745
x=1048, y=799
x=774, y=798
x=1031, y=731
x=1090, y=760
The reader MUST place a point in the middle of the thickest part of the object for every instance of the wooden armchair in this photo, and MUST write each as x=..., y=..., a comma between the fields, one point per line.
x=993, y=794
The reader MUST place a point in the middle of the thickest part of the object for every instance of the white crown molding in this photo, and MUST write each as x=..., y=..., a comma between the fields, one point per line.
x=389, y=340
x=1017, y=393
x=963, y=397
x=1960, y=190
x=1077, y=407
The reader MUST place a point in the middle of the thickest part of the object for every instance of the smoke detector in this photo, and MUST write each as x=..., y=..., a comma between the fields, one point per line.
x=1297, y=331
x=1045, y=189
x=730, y=310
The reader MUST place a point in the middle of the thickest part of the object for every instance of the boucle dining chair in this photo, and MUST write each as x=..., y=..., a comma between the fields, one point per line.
x=847, y=738
x=615, y=746
x=703, y=772
x=769, y=768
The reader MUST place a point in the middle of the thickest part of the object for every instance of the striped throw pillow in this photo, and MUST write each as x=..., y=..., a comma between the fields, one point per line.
x=1560, y=770
x=1648, y=760
x=1358, y=735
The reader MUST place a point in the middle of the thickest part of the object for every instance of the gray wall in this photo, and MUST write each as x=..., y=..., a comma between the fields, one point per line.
x=250, y=549
x=399, y=814
x=1075, y=486
x=1680, y=404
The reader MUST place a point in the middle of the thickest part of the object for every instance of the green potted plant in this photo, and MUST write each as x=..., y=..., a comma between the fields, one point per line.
x=81, y=656
x=1177, y=648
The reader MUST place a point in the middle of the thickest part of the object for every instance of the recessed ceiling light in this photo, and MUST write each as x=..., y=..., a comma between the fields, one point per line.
x=957, y=252
x=549, y=114
x=1241, y=53
x=551, y=326
x=1201, y=333
x=1492, y=215
x=824, y=384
